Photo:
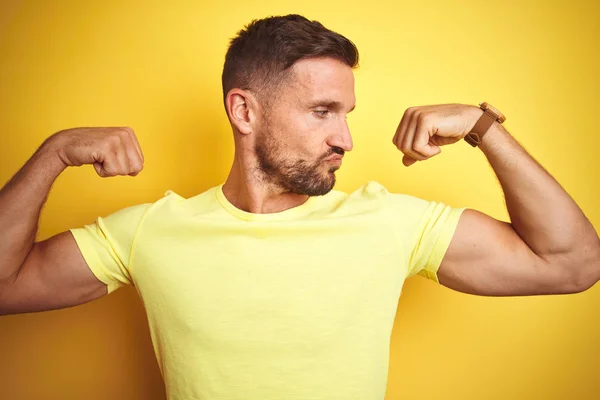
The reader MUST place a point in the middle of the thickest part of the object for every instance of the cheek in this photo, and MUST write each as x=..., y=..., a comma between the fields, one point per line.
x=297, y=132
x=317, y=127
x=314, y=131
x=305, y=135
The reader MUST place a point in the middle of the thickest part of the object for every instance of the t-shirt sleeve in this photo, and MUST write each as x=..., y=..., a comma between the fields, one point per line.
x=107, y=244
x=425, y=229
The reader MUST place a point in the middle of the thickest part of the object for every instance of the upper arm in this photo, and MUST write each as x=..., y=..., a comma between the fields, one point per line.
x=488, y=257
x=54, y=275
x=75, y=266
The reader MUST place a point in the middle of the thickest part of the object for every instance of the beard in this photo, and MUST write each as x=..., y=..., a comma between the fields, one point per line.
x=297, y=176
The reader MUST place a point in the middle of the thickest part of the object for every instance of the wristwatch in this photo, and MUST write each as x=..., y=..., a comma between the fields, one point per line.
x=490, y=114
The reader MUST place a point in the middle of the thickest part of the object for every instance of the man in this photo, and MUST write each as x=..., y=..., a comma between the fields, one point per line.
x=273, y=285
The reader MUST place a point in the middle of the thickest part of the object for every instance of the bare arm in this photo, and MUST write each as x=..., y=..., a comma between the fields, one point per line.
x=36, y=276
x=549, y=246
x=54, y=275
x=21, y=201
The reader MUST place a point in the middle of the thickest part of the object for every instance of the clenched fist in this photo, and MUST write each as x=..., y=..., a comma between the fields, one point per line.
x=113, y=151
x=423, y=129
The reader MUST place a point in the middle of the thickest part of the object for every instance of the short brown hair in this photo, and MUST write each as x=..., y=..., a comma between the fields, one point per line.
x=259, y=56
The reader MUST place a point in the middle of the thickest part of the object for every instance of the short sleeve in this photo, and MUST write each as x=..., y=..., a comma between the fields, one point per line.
x=425, y=229
x=107, y=243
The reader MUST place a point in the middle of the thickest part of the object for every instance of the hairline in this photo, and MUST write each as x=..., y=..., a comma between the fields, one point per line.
x=268, y=94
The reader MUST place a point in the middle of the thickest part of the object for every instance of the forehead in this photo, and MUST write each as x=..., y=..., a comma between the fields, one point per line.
x=323, y=78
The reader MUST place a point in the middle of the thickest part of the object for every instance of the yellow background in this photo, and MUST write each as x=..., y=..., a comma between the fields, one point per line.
x=156, y=66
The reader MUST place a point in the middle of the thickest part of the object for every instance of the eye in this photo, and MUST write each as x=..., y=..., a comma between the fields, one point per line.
x=321, y=113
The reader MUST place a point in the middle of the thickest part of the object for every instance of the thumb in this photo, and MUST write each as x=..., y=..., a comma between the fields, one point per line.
x=100, y=169
x=407, y=161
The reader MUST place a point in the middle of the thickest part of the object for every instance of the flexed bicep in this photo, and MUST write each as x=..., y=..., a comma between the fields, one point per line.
x=487, y=257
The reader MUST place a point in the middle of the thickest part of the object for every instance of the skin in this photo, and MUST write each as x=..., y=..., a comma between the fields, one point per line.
x=280, y=151
x=548, y=247
x=52, y=274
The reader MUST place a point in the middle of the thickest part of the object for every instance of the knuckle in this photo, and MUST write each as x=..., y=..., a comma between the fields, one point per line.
x=113, y=141
x=110, y=169
x=106, y=149
x=122, y=134
x=425, y=118
x=136, y=167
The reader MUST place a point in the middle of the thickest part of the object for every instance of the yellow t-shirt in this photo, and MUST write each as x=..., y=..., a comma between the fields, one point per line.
x=294, y=305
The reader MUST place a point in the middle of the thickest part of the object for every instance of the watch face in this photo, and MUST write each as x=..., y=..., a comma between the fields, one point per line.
x=485, y=106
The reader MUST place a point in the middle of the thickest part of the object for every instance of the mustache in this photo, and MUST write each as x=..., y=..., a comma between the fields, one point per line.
x=335, y=150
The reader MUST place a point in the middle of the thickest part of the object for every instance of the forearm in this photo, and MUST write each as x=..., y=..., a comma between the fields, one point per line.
x=541, y=211
x=21, y=201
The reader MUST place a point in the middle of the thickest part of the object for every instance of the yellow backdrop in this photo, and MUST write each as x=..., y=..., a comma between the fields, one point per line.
x=156, y=66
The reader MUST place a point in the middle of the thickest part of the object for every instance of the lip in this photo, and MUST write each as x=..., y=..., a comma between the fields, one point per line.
x=334, y=160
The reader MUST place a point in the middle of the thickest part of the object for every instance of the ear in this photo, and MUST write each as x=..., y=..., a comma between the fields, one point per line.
x=241, y=109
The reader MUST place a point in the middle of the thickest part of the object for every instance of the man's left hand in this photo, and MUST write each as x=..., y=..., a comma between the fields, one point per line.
x=423, y=129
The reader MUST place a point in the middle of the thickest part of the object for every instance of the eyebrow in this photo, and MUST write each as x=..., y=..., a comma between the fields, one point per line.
x=333, y=104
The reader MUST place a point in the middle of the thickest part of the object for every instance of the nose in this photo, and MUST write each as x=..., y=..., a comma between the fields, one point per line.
x=342, y=138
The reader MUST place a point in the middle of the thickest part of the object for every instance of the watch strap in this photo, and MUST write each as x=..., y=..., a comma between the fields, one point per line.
x=481, y=127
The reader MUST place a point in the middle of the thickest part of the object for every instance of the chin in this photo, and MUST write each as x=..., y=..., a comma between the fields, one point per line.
x=325, y=185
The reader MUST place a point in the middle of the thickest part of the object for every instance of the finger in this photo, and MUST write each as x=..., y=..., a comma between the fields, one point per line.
x=99, y=169
x=133, y=156
x=407, y=161
x=115, y=160
x=407, y=142
x=136, y=143
x=108, y=164
x=121, y=153
x=422, y=144
x=397, y=140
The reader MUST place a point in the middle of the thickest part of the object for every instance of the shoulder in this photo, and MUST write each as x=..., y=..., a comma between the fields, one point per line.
x=173, y=204
x=367, y=191
x=373, y=191
x=371, y=197
x=398, y=206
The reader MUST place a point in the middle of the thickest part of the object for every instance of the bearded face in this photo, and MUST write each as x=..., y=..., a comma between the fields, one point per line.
x=304, y=126
x=290, y=172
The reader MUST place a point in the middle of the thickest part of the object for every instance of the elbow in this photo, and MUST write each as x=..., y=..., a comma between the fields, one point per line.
x=584, y=271
x=582, y=283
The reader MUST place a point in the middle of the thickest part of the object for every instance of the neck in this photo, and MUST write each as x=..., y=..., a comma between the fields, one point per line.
x=249, y=190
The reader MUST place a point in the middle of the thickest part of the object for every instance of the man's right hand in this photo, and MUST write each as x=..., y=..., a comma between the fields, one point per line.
x=52, y=274
x=113, y=150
